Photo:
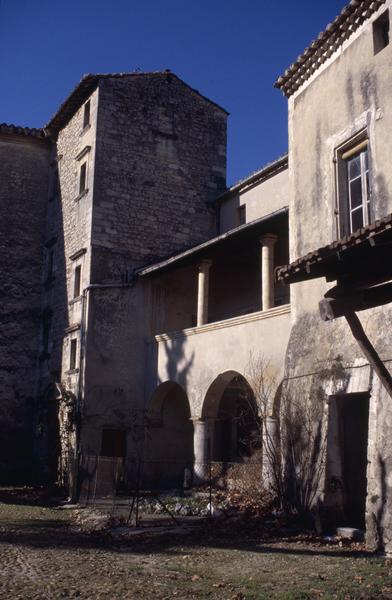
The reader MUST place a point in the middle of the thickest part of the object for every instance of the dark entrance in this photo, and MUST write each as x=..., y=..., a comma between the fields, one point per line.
x=352, y=421
x=113, y=443
x=169, y=438
x=354, y=412
x=236, y=433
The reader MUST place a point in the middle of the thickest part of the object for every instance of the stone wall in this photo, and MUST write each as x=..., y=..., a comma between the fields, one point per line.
x=160, y=158
x=24, y=167
x=68, y=232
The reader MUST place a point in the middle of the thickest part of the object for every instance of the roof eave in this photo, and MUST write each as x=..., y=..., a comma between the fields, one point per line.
x=318, y=263
x=328, y=41
x=205, y=246
x=269, y=170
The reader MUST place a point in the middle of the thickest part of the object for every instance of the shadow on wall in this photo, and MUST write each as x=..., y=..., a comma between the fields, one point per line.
x=168, y=445
x=51, y=439
x=303, y=446
x=377, y=516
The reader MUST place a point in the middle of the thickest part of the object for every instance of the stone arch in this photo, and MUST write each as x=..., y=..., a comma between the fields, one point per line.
x=274, y=412
x=169, y=437
x=232, y=413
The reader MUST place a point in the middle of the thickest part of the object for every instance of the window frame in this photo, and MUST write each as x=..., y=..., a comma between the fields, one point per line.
x=357, y=146
x=381, y=32
x=77, y=280
x=73, y=353
x=83, y=187
x=86, y=115
x=241, y=214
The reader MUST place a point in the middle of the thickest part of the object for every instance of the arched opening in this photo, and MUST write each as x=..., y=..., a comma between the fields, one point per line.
x=235, y=426
x=169, y=438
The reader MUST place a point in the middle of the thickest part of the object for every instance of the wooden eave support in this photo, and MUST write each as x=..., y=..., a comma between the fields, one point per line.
x=345, y=305
x=369, y=351
x=341, y=303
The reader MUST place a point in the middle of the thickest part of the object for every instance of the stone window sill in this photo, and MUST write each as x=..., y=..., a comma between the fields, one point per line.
x=84, y=193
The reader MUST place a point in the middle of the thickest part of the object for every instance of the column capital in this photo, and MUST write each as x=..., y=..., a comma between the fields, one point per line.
x=205, y=264
x=268, y=239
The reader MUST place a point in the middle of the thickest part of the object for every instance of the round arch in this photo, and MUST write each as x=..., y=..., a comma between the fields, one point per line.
x=231, y=409
x=169, y=437
x=157, y=400
x=214, y=393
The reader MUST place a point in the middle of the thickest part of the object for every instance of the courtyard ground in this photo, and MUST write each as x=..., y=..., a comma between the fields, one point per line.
x=43, y=556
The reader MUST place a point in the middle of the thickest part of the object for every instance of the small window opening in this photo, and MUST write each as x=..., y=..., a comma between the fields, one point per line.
x=113, y=443
x=83, y=178
x=381, y=32
x=241, y=214
x=77, y=281
x=72, y=355
x=86, y=115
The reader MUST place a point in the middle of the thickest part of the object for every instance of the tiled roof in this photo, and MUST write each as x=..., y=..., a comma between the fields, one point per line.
x=301, y=268
x=10, y=129
x=87, y=85
x=327, y=42
x=241, y=230
x=266, y=171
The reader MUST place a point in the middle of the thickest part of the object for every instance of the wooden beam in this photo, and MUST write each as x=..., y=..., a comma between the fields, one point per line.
x=369, y=351
x=341, y=304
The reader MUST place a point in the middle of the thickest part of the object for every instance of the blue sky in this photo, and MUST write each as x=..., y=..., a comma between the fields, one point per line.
x=230, y=50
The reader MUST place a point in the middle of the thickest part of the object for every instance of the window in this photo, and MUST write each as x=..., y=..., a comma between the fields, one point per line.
x=241, y=214
x=113, y=443
x=86, y=115
x=83, y=178
x=77, y=281
x=354, y=189
x=72, y=354
x=381, y=32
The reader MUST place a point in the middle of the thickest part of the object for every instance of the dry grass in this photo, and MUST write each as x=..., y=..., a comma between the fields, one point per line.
x=42, y=557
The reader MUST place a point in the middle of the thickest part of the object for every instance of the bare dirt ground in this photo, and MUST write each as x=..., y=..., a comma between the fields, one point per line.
x=43, y=556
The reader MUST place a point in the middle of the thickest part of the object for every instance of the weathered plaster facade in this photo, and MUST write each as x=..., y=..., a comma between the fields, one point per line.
x=347, y=95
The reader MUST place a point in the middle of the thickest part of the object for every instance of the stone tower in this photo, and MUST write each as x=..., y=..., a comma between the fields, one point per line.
x=127, y=169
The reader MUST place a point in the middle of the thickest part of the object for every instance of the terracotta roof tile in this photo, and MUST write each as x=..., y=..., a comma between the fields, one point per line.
x=329, y=40
x=11, y=129
x=302, y=264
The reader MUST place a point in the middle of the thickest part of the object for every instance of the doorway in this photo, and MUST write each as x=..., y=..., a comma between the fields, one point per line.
x=347, y=454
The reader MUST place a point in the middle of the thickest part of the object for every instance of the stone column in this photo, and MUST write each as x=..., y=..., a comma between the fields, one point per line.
x=202, y=292
x=271, y=451
x=200, y=447
x=267, y=241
